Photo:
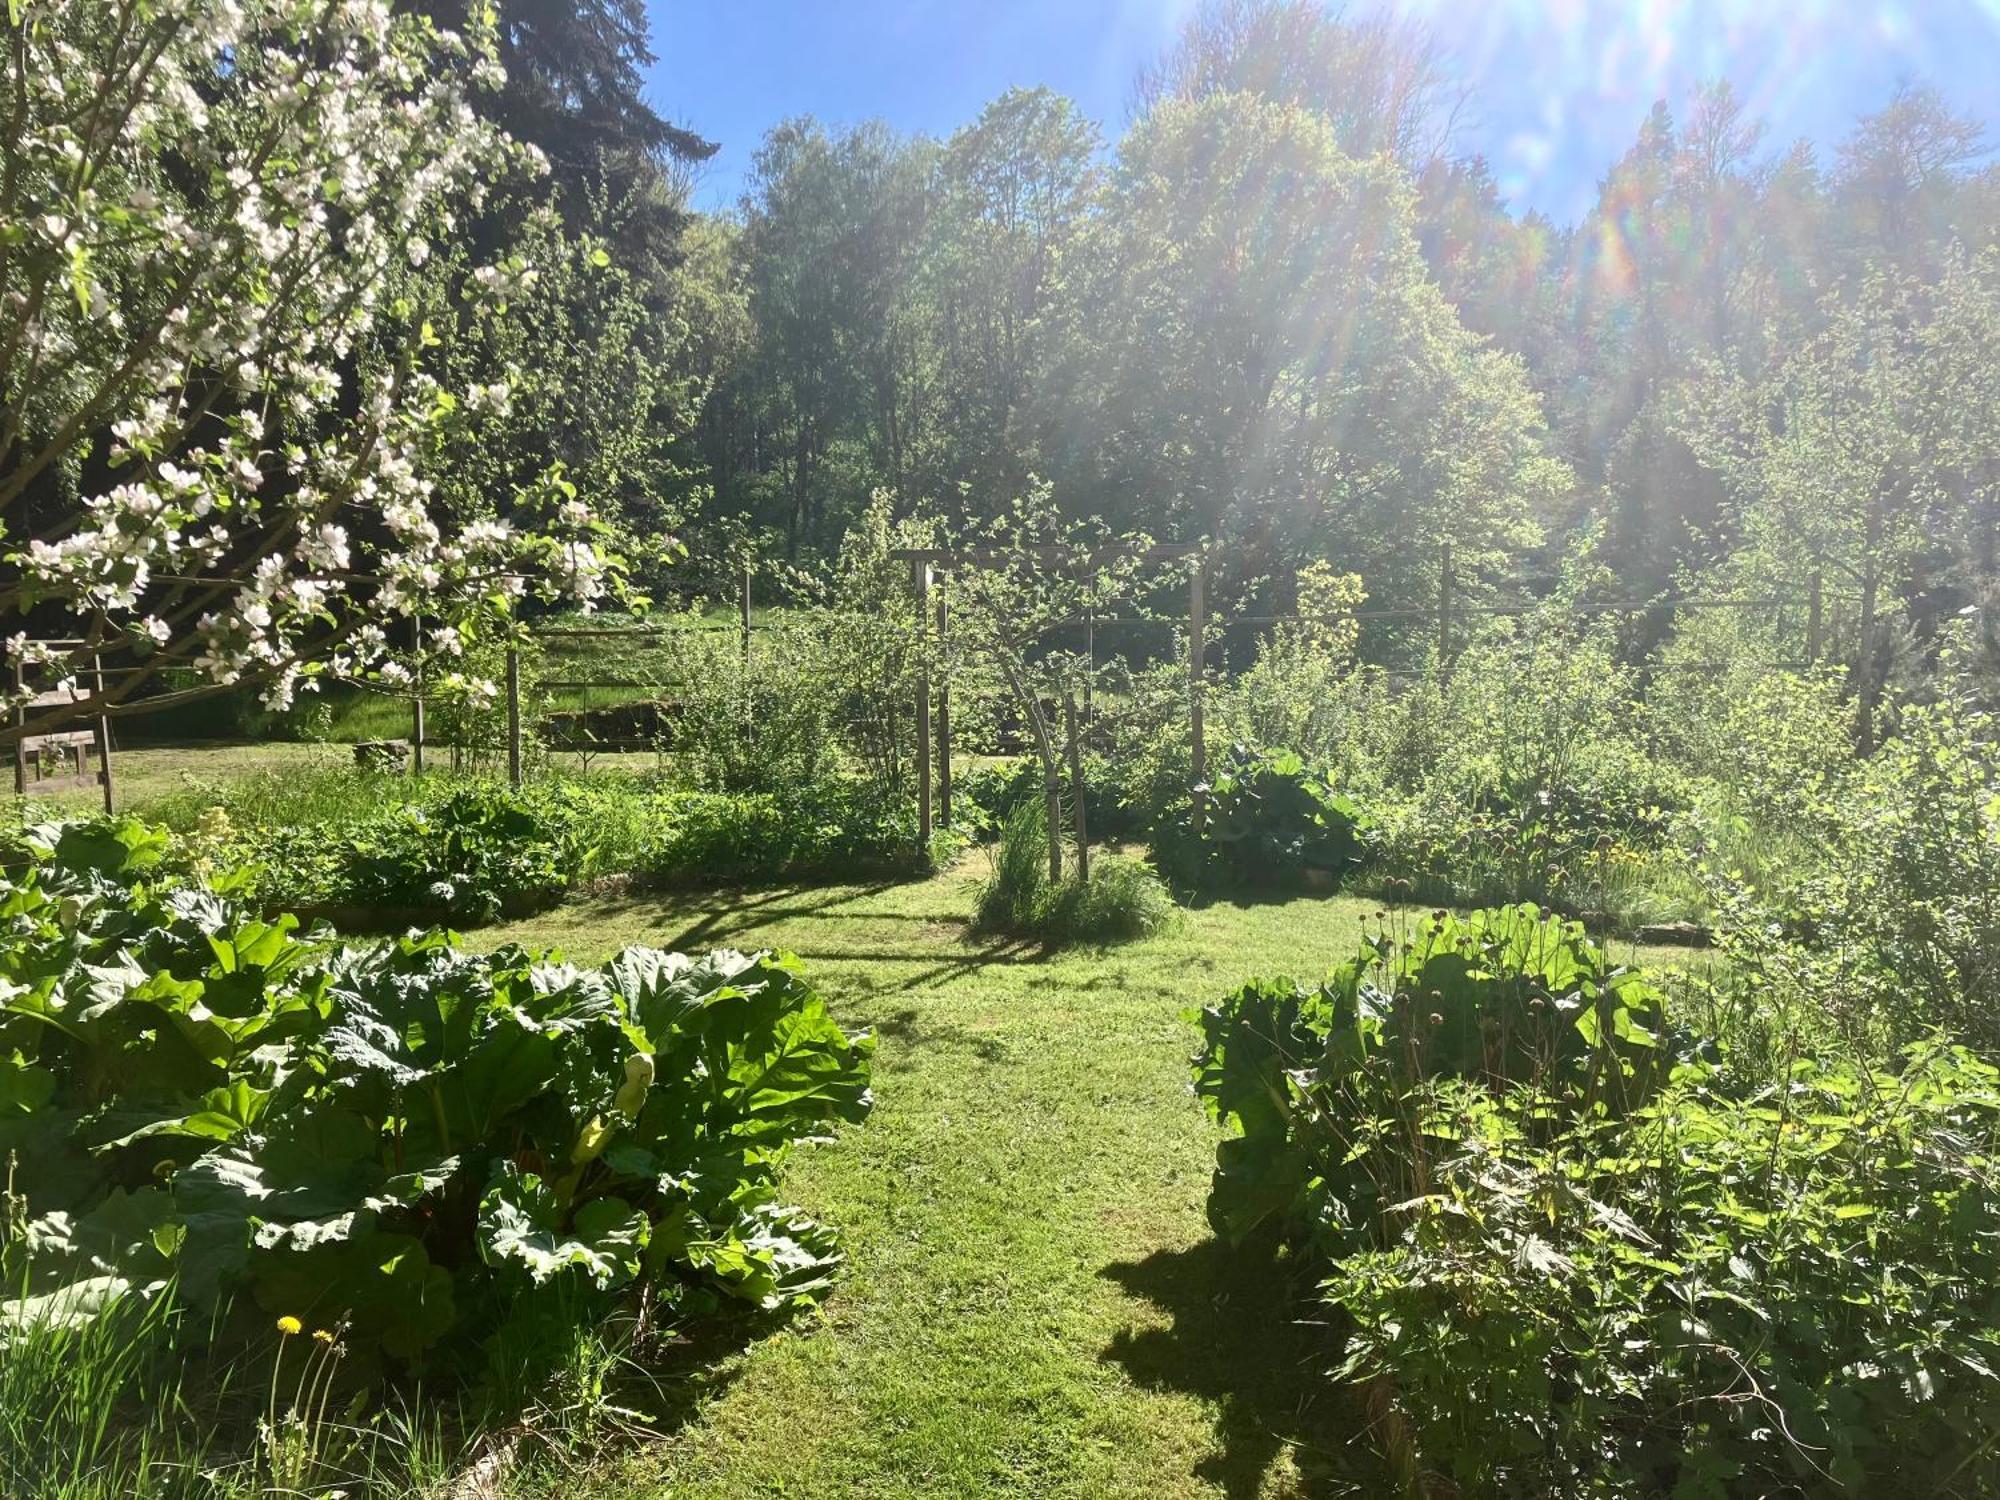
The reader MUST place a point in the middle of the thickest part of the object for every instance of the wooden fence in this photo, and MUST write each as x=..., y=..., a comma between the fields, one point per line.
x=1443, y=622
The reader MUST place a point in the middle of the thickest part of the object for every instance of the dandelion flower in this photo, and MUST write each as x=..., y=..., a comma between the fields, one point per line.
x=289, y=1325
x=323, y=1335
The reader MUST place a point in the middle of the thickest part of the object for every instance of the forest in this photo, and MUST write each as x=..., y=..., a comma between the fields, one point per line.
x=1160, y=806
x=1278, y=313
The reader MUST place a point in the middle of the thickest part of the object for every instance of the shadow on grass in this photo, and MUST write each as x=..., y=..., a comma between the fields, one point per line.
x=1244, y=895
x=909, y=1028
x=657, y=1388
x=670, y=1382
x=728, y=915
x=716, y=918
x=1238, y=1342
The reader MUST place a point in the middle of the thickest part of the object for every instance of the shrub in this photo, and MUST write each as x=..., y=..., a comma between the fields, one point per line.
x=831, y=830
x=1507, y=996
x=1303, y=690
x=1908, y=898
x=408, y=1141
x=1572, y=1259
x=1885, y=922
x=1790, y=1293
x=473, y=851
x=1269, y=819
x=758, y=724
x=1120, y=899
x=986, y=796
x=481, y=851
x=1524, y=770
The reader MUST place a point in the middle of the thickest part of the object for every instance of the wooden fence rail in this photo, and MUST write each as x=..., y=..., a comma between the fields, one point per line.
x=931, y=569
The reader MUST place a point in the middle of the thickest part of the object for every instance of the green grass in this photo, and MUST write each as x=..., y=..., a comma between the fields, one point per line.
x=152, y=778
x=1035, y=1305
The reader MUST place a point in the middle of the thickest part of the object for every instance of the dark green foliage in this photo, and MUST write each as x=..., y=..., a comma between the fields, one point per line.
x=386, y=852
x=1269, y=820
x=1577, y=1261
x=1904, y=897
x=409, y=1140
x=818, y=831
x=1502, y=997
x=1786, y=1293
x=480, y=851
x=986, y=796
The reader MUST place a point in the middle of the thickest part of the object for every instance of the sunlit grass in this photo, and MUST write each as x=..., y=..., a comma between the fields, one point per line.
x=1035, y=1305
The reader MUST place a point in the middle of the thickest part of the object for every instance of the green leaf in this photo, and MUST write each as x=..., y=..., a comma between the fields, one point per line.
x=521, y=1223
x=24, y=1086
x=74, y=1306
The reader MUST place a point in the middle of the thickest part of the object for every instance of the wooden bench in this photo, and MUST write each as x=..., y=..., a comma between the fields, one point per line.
x=64, y=746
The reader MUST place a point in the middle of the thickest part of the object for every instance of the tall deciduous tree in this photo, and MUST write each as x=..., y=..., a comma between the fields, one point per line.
x=1866, y=457
x=1277, y=368
x=839, y=376
x=1382, y=83
x=1015, y=194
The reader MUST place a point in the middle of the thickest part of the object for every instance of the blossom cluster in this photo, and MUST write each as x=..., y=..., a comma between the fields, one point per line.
x=218, y=198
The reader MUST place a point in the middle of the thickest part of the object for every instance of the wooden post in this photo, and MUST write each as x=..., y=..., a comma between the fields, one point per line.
x=744, y=612
x=1445, y=584
x=514, y=715
x=103, y=735
x=920, y=576
x=20, y=728
x=1870, y=688
x=1052, y=817
x=943, y=707
x=1815, y=620
x=417, y=703
x=1197, y=646
x=1089, y=658
x=1076, y=788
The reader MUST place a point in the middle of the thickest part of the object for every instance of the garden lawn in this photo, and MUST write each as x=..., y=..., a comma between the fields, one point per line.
x=1034, y=1304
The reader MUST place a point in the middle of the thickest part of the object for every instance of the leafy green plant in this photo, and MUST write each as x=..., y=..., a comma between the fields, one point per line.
x=1119, y=898
x=1506, y=996
x=1268, y=819
x=986, y=796
x=1790, y=1292
x=404, y=1140
x=826, y=829
x=482, y=850
x=1571, y=1256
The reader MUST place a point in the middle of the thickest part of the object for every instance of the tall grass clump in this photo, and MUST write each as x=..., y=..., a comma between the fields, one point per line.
x=70, y=1387
x=1120, y=899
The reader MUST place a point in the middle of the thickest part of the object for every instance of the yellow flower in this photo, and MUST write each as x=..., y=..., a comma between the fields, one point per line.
x=323, y=1335
x=289, y=1325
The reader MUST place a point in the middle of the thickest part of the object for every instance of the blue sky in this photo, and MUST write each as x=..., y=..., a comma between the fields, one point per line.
x=1559, y=85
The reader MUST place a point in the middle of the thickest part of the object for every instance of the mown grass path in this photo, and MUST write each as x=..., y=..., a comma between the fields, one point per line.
x=1035, y=1305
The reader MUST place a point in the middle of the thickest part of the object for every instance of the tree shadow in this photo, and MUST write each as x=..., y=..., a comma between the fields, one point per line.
x=911, y=1030
x=723, y=915
x=1245, y=895
x=1243, y=1338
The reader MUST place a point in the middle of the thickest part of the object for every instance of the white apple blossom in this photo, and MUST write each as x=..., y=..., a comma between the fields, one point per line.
x=238, y=351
